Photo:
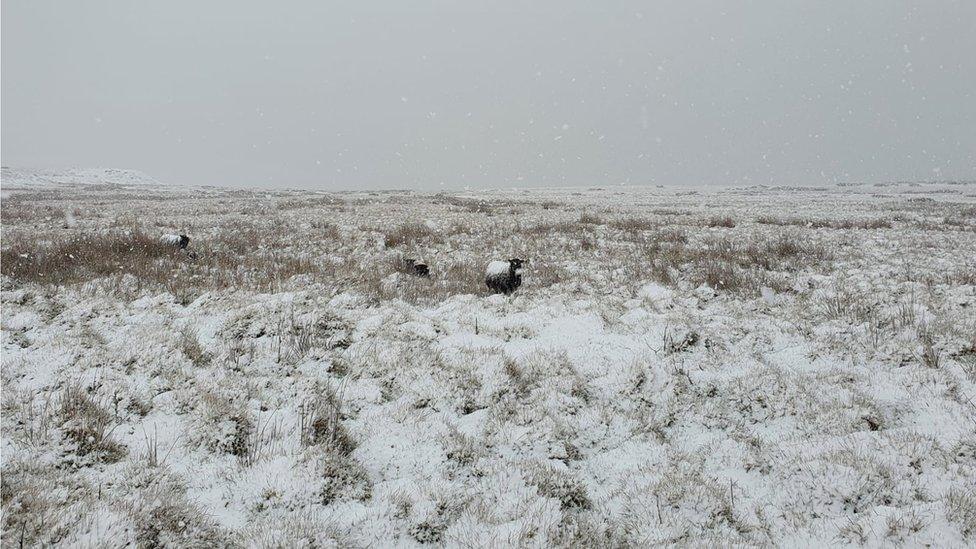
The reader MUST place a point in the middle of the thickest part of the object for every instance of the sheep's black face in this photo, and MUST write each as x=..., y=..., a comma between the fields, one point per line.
x=516, y=263
x=184, y=241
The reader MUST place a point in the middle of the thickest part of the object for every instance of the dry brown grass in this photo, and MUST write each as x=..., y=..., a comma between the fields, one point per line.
x=811, y=223
x=411, y=233
x=480, y=205
x=80, y=258
x=567, y=227
x=634, y=224
x=590, y=219
x=193, y=349
x=287, y=251
x=237, y=258
x=320, y=422
x=310, y=202
x=742, y=265
x=720, y=221
x=961, y=509
x=326, y=230
x=88, y=425
x=240, y=256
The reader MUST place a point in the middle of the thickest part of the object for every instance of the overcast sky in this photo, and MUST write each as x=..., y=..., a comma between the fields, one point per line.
x=424, y=95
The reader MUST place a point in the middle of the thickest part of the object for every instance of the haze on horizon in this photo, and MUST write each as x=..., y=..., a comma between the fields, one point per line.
x=437, y=94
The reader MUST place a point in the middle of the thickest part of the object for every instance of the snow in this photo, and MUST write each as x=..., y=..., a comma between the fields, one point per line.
x=496, y=268
x=171, y=239
x=594, y=407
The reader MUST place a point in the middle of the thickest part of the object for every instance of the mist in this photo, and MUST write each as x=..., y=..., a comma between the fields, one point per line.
x=433, y=95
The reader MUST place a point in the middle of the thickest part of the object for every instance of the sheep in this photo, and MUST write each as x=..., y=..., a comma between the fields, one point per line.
x=180, y=241
x=422, y=270
x=417, y=268
x=504, y=276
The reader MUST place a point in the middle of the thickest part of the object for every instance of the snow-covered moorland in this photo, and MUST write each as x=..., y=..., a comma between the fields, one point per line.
x=757, y=366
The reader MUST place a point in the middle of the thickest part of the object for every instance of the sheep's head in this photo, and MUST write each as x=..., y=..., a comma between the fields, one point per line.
x=515, y=266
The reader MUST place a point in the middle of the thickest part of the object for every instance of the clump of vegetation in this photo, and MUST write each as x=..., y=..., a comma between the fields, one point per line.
x=192, y=349
x=590, y=219
x=321, y=430
x=411, y=233
x=320, y=422
x=878, y=223
x=88, y=425
x=327, y=230
x=236, y=258
x=34, y=506
x=560, y=485
x=433, y=528
x=720, y=221
x=224, y=425
x=961, y=509
x=162, y=515
x=342, y=478
x=80, y=258
x=634, y=224
x=743, y=265
x=460, y=448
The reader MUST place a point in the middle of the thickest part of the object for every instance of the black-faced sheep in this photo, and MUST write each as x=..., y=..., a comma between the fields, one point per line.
x=180, y=241
x=504, y=276
x=417, y=268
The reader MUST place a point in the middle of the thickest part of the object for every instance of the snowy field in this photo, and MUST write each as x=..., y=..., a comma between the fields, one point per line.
x=764, y=366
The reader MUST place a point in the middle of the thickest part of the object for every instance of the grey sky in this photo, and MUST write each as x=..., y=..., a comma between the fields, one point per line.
x=393, y=94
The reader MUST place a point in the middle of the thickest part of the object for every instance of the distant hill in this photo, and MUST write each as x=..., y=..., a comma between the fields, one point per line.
x=20, y=177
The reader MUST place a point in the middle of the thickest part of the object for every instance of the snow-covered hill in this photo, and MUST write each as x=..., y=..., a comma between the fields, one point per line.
x=21, y=177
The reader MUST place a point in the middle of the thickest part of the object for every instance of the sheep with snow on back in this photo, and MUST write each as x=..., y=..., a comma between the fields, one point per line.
x=180, y=241
x=504, y=276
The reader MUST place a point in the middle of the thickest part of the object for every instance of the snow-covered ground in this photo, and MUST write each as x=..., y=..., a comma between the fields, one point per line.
x=756, y=366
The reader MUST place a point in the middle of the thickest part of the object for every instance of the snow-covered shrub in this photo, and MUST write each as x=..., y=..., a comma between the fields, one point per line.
x=960, y=508
x=460, y=448
x=343, y=478
x=559, y=484
x=720, y=221
x=41, y=502
x=288, y=528
x=87, y=424
x=320, y=422
x=222, y=423
x=192, y=349
x=634, y=224
x=162, y=514
x=590, y=219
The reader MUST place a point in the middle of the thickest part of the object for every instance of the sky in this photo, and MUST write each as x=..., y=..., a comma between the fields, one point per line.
x=436, y=94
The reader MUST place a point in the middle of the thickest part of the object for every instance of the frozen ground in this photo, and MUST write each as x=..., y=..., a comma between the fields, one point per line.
x=754, y=366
